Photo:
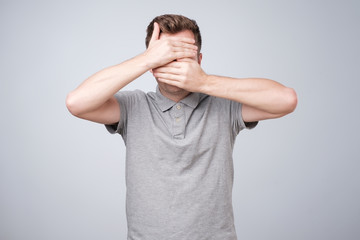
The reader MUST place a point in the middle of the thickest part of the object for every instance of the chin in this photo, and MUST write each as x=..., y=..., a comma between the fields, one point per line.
x=172, y=89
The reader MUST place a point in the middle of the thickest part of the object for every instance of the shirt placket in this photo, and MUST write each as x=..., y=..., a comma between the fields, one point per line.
x=178, y=115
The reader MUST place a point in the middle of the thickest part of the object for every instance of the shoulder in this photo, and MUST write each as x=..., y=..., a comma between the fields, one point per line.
x=130, y=93
x=130, y=96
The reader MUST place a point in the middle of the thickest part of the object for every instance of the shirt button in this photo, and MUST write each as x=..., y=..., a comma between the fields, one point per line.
x=177, y=119
x=178, y=107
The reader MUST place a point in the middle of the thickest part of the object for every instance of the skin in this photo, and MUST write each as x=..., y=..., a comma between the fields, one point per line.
x=175, y=63
x=169, y=90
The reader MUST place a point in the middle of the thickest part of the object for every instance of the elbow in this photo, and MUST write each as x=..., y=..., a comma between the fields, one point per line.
x=73, y=105
x=290, y=100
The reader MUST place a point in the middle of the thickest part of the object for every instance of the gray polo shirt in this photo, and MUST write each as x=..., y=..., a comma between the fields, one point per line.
x=179, y=167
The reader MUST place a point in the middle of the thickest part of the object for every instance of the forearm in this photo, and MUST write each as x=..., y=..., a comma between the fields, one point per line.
x=263, y=94
x=101, y=86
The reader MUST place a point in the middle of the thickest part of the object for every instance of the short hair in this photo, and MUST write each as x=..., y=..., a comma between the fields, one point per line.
x=171, y=23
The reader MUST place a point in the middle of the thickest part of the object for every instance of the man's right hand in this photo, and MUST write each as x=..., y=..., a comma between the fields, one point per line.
x=164, y=50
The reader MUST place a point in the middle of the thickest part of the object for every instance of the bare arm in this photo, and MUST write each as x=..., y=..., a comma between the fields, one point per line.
x=261, y=98
x=94, y=98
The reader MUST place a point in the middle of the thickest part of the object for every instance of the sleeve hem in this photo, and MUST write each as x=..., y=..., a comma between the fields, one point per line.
x=118, y=127
x=251, y=125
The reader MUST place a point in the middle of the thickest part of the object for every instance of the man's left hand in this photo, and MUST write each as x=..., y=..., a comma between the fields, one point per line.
x=184, y=73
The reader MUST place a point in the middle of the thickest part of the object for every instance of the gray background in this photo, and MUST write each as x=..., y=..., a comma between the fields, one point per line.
x=295, y=177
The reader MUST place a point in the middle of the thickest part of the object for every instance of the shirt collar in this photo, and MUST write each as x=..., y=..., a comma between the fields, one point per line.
x=192, y=100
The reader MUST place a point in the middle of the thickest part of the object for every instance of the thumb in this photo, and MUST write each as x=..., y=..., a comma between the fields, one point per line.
x=156, y=33
x=185, y=60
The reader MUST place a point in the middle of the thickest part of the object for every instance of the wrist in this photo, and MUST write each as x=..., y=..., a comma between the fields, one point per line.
x=147, y=61
x=208, y=84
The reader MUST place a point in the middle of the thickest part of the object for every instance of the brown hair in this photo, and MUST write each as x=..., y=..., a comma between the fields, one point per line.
x=171, y=23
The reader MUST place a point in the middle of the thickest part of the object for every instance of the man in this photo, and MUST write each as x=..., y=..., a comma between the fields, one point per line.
x=179, y=139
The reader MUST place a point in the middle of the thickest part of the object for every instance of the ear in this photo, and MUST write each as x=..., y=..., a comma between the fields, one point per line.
x=199, y=58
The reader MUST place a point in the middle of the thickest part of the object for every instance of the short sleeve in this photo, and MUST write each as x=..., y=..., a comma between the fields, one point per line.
x=126, y=100
x=237, y=120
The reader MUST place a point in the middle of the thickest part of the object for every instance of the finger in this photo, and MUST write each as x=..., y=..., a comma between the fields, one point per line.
x=178, y=52
x=156, y=32
x=185, y=59
x=183, y=39
x=173, y=64
x=170, y=82
x=184, y=45
x=186, y=54
x=167, y=70
x=168, y=76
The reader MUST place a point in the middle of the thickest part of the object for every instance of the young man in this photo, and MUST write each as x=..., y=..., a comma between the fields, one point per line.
x=179, y=139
